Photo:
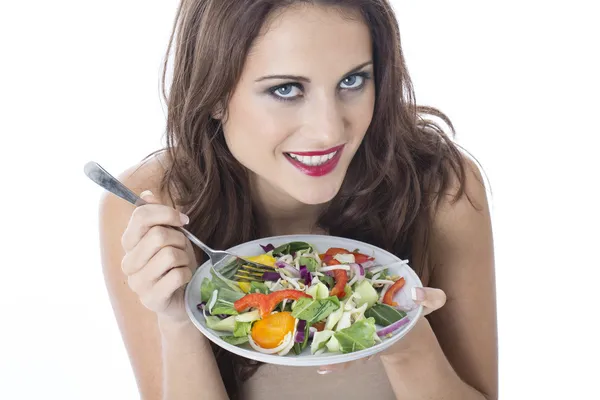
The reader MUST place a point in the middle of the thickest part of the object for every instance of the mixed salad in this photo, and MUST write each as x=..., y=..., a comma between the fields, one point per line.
x=337, y=301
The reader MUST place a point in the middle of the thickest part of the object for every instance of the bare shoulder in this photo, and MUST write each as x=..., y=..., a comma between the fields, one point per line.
x=145, y=175
x=459, y=208
x=462, y=256
x=137, y=324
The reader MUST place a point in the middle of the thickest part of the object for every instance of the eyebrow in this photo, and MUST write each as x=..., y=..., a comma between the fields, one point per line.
x=305, y=79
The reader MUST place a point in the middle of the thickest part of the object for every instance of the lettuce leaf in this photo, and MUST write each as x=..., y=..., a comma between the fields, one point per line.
x=290, y=248
x=313, y=310
x=384, y=315
x=242, y=329
x=206, y=290
x=236, y=341
x=310, y=263
x=358, y=336
x=225, y=300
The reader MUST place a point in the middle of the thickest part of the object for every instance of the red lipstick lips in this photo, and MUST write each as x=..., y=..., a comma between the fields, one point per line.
x=316, y=170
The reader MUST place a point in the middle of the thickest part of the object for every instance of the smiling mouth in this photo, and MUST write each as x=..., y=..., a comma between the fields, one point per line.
x=315, y=163
x=312, y=161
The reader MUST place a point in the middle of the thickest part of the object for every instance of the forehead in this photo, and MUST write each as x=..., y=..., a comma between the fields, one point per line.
x=310, y=39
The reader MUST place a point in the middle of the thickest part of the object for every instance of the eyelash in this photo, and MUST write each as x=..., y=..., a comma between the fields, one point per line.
x=365, y=75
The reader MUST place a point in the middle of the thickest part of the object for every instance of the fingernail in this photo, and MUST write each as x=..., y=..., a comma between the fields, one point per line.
x=418, y=294
x=324, y=371
x=184, y=218
x=146, y=193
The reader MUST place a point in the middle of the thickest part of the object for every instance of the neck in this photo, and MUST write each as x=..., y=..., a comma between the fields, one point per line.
x=282, y=214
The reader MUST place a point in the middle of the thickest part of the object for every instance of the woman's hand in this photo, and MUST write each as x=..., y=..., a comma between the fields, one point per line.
x=159, y=260
x=431, y=299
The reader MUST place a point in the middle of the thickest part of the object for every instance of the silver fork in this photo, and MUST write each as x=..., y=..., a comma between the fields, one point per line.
x=224, y=263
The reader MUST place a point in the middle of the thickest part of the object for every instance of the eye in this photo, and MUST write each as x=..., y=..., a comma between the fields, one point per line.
x=288, y=91
x=353, y=81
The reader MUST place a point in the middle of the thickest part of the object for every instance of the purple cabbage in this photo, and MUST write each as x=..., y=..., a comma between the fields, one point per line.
x=271, y=276
x=304, y=274
x=267, y=248
x=300, y=331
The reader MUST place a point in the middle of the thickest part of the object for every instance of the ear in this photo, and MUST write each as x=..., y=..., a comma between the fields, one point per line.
x=218, y=111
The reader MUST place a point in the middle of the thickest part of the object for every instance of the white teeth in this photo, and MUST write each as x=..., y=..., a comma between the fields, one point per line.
x=313, y=160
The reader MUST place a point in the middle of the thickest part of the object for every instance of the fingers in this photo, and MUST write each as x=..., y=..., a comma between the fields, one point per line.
x=328, y=369
x=430, y=298
x=159, y=297
x=156, y=239
x=147, y=216
x=165, y=259
x=158, y=258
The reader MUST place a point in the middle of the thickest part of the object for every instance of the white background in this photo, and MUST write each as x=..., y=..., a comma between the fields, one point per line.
x=79, y=81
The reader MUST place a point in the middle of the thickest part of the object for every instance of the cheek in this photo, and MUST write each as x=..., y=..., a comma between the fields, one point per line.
x=364, y=112
x=254, y=133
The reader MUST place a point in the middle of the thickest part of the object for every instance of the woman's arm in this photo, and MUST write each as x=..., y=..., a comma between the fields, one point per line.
x=454, y=354
x=170, y=360
x=190, y=370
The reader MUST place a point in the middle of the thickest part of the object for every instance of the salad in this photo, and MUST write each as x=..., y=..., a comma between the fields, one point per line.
x=339, y=301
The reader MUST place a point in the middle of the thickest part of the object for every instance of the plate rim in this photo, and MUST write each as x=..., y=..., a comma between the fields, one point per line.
x=291, y=359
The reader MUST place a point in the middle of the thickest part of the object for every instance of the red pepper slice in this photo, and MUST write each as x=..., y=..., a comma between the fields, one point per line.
x=389, y=295
x=252, y=300
x=341, y=278
x=360, y=258
x=336, y=250
x=267, y=302
x=280, y=295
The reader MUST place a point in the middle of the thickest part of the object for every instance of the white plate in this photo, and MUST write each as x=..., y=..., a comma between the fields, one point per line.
x=322, y=243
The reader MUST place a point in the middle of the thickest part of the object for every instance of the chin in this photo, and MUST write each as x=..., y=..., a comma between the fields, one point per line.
x=315, y=194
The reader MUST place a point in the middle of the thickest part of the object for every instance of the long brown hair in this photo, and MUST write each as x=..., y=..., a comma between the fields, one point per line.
x=394, y=181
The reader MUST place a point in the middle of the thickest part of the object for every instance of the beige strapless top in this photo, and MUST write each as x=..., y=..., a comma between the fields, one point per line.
x=365, y=380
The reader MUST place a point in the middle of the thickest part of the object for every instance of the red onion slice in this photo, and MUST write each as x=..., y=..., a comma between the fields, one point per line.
x=393, y=327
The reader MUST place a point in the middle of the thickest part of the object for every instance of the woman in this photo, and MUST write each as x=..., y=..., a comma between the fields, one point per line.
x=257, y=86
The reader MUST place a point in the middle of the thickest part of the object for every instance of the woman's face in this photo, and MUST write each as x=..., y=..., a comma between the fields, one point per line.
x=303, y=103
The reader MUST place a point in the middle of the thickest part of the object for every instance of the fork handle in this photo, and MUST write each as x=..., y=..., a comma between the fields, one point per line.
x=99, y=175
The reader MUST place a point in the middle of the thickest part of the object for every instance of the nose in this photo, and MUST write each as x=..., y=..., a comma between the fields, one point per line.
x=324, y=120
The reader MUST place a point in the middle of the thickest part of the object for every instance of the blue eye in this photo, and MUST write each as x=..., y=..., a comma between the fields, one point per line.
x=286, y=92
x=355, y=81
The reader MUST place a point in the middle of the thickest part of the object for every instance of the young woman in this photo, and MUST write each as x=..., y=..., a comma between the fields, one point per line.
x=299, y=117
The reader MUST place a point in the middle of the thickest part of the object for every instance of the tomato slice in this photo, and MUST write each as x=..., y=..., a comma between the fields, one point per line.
x=389, y=295
x=270, y=331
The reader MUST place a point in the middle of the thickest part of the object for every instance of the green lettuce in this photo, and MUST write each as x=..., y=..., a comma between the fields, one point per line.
x=236, y=341
x=242, y=329
x=358, y=336
x=313, y=310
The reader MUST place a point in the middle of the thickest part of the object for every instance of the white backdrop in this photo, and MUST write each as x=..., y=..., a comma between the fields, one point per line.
x=80, y=82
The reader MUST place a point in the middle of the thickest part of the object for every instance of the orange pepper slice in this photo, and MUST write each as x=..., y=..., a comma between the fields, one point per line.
x=270, y=331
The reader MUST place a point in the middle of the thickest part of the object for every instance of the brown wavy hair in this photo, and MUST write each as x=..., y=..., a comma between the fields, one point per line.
x=393, y=183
